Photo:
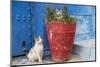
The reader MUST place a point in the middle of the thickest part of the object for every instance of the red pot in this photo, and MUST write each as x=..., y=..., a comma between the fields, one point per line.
x=61, y=37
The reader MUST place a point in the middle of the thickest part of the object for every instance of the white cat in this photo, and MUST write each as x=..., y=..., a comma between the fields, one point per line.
x=36, y=52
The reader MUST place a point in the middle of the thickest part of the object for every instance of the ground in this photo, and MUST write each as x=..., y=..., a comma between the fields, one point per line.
x=24, y=61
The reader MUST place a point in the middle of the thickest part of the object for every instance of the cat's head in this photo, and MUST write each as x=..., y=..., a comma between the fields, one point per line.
x=59, y=14
x=38, y=40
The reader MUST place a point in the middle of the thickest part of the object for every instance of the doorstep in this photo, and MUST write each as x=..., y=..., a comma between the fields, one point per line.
x=23, y=60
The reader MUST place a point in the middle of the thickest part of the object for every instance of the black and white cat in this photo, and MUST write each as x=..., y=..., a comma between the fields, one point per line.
x=59, y=14
x=36, y=52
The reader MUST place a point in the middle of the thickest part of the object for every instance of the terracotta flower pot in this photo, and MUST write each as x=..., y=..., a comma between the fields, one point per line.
x=61, y=37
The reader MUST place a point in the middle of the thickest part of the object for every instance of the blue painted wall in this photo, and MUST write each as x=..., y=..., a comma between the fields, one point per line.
x=21, y=29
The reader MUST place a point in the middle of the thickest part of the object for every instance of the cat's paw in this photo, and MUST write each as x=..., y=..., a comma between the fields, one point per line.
x=32, y=61
x=40, y=61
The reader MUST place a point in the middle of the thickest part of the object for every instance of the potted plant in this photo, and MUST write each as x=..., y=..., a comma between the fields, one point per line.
x=61, y=30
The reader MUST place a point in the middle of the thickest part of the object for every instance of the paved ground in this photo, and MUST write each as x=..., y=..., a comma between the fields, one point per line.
x=23, y=60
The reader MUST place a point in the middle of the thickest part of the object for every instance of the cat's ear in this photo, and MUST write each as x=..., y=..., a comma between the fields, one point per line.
x=36, y=39
x=40, y=38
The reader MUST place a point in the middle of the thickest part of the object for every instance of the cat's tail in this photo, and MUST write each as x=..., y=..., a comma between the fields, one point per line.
x=26, y=52
x=24, y=49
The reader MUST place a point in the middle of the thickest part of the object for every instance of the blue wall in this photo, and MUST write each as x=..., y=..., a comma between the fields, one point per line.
x=20, y=27
x=21, y=30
